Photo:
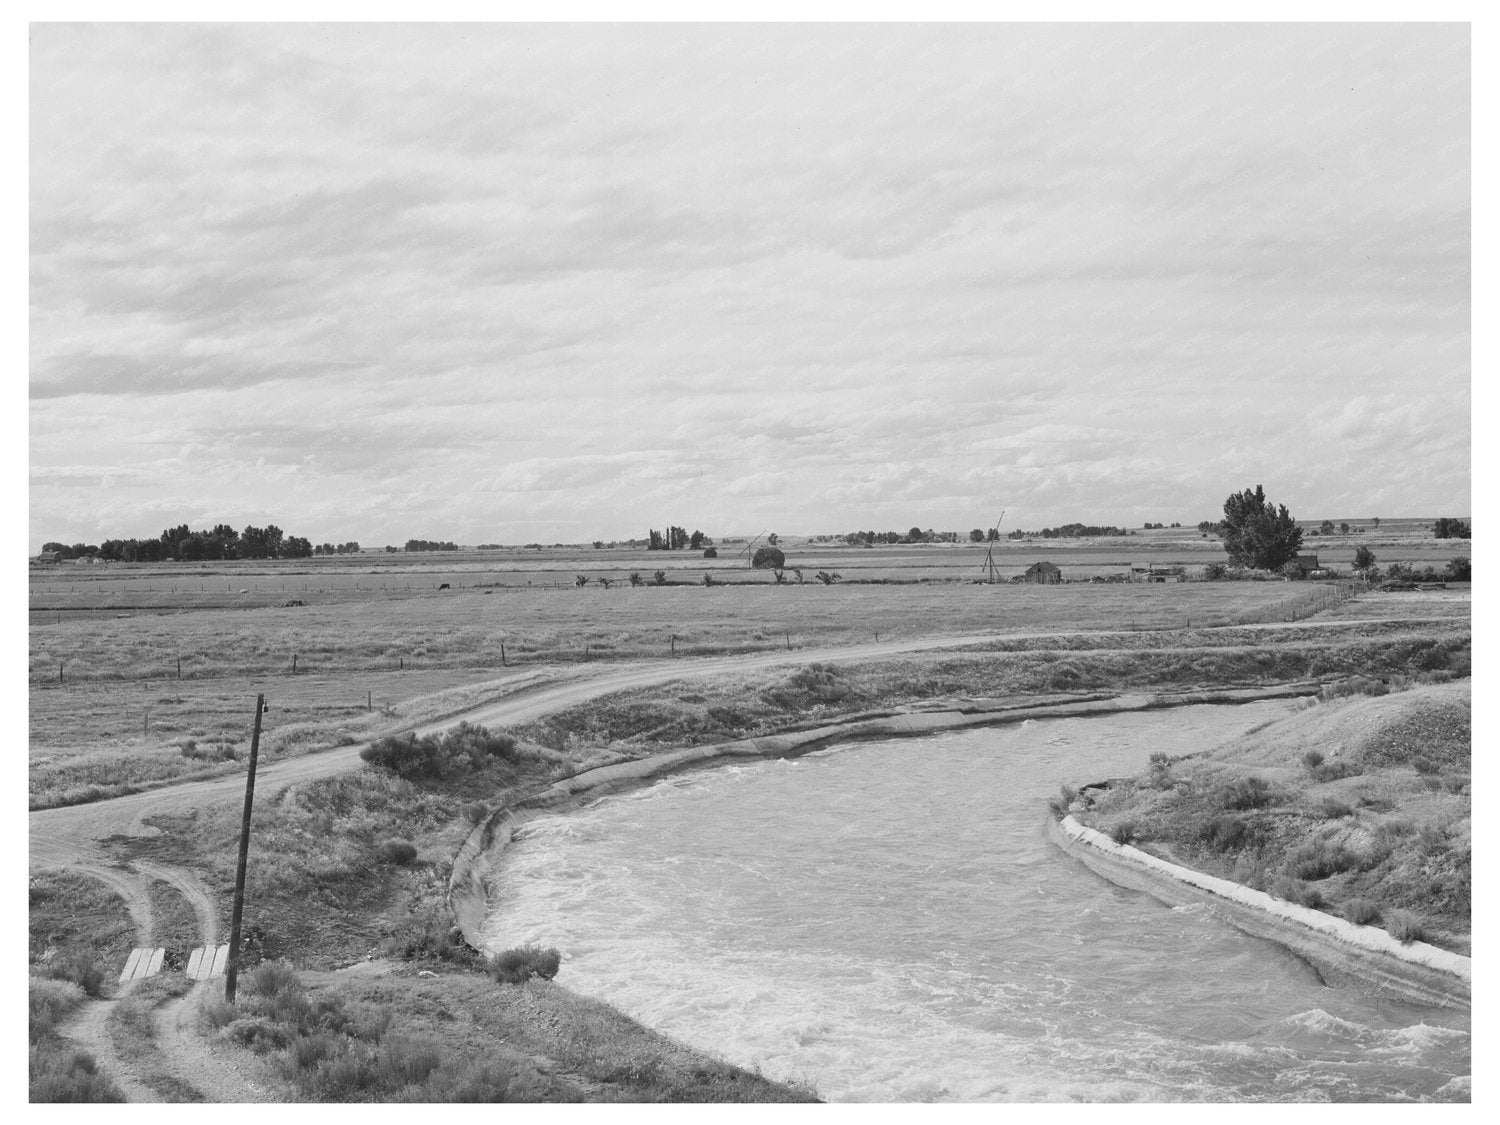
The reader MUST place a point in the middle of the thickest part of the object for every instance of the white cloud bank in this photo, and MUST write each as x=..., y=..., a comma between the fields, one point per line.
x=467, y=282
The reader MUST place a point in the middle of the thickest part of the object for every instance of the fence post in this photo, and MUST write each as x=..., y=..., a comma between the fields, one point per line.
x=502, y=654
x=179, y=667
x=294, y=663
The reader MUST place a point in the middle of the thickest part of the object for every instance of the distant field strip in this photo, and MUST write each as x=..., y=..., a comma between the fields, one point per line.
x=468, y=629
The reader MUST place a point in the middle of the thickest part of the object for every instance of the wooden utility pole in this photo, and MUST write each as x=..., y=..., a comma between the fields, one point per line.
x=232, y=969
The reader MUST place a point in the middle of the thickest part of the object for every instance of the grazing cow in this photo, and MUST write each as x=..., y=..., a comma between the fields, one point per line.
x=444, y=586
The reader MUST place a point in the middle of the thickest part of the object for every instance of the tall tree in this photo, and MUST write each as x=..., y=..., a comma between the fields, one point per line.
x=1258, y=533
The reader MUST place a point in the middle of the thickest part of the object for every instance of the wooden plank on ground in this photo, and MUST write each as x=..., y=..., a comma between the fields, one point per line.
x=131, y=963
x=195, y=959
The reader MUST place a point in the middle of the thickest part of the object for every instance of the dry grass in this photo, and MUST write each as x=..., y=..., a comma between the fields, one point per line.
x=466, y=631
x=1375, y=837
x=78, y=926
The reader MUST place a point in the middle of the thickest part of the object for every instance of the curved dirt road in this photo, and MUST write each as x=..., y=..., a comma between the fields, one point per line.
x=66, y=836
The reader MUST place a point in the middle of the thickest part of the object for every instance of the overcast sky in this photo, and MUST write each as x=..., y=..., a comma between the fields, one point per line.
x=505, y=283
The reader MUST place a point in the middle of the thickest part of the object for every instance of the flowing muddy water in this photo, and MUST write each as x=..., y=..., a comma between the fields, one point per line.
x=888, y=921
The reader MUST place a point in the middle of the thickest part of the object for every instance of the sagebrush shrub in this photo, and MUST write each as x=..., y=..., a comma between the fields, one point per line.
x=517, y=966
x=1245, y=793
x=1123, y=833
x=259, y=1033
x=1225, y=832
x=80, y=968
x=1318, y=859
x=455, y=751
x=1333, y=771
x=1405, y=927
x=67, y=1075
x=398, y=852
x=1333, y=808
x=1360, y=911
x=1295, y=890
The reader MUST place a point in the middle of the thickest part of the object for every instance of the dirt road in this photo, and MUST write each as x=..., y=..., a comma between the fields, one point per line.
x=66, y=836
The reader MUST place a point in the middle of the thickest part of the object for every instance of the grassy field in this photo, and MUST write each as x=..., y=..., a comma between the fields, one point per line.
x=108, y=712
x=466, y=629
x=71, y=590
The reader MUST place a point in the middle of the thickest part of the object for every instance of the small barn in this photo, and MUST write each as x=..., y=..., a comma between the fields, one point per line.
x=1305, y=563
x=1043, y=574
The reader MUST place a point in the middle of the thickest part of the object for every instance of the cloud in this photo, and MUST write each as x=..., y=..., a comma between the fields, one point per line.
x=587, y=276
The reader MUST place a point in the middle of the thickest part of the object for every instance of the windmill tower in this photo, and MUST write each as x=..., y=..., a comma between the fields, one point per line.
x=989, y=555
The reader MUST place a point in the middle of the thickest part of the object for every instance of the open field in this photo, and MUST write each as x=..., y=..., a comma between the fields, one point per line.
x=69, y=590
x=108, y=712
x=466, y=628
x=324, y=889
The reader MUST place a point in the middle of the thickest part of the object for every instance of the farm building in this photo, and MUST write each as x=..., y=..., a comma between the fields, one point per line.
x=45, y=558
x=1043, y=573
x=1305, y=563
x=1158, y=574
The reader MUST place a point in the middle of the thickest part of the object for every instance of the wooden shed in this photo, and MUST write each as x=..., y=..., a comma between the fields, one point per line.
x=1042, y=573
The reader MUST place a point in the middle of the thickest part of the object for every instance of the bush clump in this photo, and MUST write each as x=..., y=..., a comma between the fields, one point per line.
x=1360, y=911
x=1318, y=859
x=398, y=852
x=1123, y=833
x=452, y=753
x=1334, y=809
x=68, y=1076
x=80, y=968
x=1293, y=890
x=517, y=966
x=1245, y=793
x=1225, y=832
x=1405, y=927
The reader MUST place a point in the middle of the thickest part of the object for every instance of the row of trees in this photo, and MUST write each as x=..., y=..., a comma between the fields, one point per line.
x=430, y=545
x=675, y=539
x=1069, y=531
x=1448, y=527
x=185, y=545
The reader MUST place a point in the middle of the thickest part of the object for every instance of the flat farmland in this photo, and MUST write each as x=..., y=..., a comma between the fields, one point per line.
x=466, y=628
x=143, y=674
x=74, y=590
